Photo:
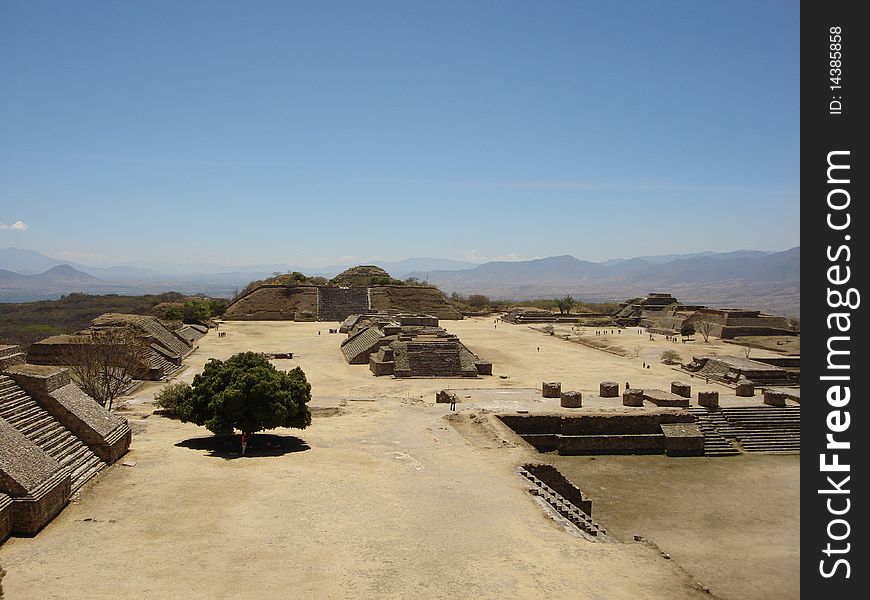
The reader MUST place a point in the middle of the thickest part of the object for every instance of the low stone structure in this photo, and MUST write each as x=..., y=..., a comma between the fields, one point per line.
x=772, y=398
x=522, y=315
x=104, y=432
x=681, y=389
x=38, y=485
x=608, y=389
x=552, y=477
x=744, y=389
x=551, y=389
x=683, y=439
x=53, y=439
x=632, y=397
x=167, y=347
x=564, y=497
x=732, y=370
x=662, y=313
x=708, y=399
x=408, y=345
x=603, y=433
x=662, y=398
x=571, y=400
x=445, y=397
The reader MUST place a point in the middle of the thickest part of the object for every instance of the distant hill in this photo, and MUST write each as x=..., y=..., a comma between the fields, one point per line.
x=766, y=281
x=743, y=278
x=60, y=277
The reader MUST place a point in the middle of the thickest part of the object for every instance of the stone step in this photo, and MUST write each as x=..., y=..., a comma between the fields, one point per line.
x=25, y=415
x=84, y=471
x=34, y=423
x=12, y=402
x=58, y=442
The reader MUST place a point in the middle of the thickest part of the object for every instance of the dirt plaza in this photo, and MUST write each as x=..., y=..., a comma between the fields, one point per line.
x=388, y=494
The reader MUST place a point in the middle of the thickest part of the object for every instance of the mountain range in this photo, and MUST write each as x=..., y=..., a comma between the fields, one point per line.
x=745, y=278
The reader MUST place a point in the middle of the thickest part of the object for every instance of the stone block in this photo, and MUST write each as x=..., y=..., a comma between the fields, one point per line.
x=551, y=389
x=683, y=439
x=662, y=398
x=681, y=389
x=445, y=397
x=571, y=399
x=772, y=398
x=745, y=389
x=632, y=398
x=708, y=399
x=608, y=389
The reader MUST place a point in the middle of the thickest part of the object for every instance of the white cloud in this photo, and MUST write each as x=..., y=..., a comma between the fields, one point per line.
x=16, y=226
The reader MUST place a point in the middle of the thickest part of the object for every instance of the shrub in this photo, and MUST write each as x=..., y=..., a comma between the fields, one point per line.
x=670, y=357
x=171, y=396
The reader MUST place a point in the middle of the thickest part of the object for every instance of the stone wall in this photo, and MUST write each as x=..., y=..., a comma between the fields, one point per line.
x=273, y=303
x=38, y=485
x=600, y=433
x=415, y=299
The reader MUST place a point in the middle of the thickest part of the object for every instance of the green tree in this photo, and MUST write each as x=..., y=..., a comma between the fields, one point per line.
x=687, y=329
x=217, y=306
x=173, y=313
x=565, y=304
x=196, y=309
x=246, y=393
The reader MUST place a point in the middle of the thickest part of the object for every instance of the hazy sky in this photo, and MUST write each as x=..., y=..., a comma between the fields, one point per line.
x=322, y=132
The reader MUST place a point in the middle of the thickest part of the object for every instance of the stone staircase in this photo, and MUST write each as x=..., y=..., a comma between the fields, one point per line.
x=569, y=510
x=27, y=416
x=159, y=361
x=766, y=428
x=714, y=370
x=715, y=429
x=337, y=304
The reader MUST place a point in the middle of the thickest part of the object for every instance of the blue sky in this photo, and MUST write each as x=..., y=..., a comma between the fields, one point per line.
x=321, y=132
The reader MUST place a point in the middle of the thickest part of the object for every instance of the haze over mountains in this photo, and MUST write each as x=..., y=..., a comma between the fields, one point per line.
x=745, y=278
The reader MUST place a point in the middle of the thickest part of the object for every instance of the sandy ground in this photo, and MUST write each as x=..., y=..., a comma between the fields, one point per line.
x=384, y=497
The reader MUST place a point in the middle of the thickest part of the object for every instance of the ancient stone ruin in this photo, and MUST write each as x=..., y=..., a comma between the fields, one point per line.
x=358, y=290
x=608, y=389
x=53, y=439
x=562, y=496
x=571, y=400
x=681, y=389
x=408, y=345
x=664, y=314
x=651, y=432
x=708, y=399
x=662, y=398
x=733, y=370
x=728, y=430
x=529, y=315
x=551, y=389
x=632, y=397
x=167, y=347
